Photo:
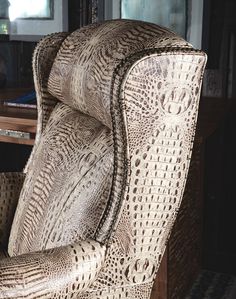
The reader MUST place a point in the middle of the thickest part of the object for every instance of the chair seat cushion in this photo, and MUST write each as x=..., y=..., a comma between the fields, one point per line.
x=67, y=185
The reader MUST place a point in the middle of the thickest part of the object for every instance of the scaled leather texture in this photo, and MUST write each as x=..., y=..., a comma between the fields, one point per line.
x=61, y=202
x=10, y=187
x=118, y=105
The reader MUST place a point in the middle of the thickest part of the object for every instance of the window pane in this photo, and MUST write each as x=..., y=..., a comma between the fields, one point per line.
x=29, y=9
x=167, y=13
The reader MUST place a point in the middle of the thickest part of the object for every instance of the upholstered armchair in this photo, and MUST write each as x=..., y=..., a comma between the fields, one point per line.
x=91, y=215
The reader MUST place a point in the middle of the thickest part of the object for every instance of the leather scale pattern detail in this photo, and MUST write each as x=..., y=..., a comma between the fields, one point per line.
x=83, y=69
x=159, y=147
x=53, y=273
x=78, y=80
x=129, y=93
x=43, y=59
x=10, y=187
x=61, y=203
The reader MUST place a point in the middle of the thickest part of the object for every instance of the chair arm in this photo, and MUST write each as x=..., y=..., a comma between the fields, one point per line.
x=62, y=272
x=10, y=187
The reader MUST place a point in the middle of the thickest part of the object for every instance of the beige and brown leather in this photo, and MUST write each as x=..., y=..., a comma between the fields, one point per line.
x=54, y=273
x=67, y=185
x=10, y=187
x=118, y=104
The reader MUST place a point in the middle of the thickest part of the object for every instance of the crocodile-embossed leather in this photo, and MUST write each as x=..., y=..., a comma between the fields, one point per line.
x=84, y=66
x=159, y=143
x=43, y=59
x=61, y=201
x=56, y=273
x=110, y=162
x=10, y=187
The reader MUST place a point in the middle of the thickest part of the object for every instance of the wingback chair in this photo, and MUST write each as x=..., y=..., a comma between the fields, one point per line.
x=91, y=215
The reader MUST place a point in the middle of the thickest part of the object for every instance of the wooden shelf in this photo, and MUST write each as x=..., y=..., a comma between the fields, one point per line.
x=14, y=120
x=16, y=140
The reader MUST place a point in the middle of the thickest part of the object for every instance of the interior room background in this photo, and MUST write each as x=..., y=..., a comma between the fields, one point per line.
x=207, y=24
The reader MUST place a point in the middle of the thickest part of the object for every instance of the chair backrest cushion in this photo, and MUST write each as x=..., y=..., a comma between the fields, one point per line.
x=82, y=73
x=67, y=185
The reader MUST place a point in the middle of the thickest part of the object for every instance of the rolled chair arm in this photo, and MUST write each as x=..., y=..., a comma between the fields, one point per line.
x=53, y=273
x=10, y=187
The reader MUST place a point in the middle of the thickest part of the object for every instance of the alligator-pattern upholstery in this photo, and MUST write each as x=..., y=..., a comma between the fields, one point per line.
x=43, y=59
x=118, y=104
x=61, y=203
x=52, y=273
x=77, y=77
x=10, y=187
x=158, y=162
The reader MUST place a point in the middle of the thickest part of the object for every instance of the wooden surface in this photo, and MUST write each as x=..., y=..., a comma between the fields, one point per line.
x=160, y=287
x=17, y=119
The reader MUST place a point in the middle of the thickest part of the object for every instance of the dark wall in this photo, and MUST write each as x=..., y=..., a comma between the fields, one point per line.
x=13, y=157
x=220, y=203
x=219, y=41
x=17, y=59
